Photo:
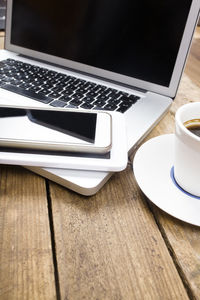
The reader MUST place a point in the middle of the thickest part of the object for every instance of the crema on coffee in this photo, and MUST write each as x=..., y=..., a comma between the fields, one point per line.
x=193, y=126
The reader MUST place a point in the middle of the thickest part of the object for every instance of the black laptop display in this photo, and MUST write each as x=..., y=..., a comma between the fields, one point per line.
x=105, y=34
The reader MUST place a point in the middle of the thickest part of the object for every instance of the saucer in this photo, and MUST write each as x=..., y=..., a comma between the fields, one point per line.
x=153, y=170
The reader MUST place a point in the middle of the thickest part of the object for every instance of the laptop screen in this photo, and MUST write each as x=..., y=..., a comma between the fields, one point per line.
x=135, y=38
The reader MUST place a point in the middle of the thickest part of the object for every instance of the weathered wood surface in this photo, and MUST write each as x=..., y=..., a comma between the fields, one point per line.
x=56, y=244
x=26, y=257
x=183, y=240
x=110, y=246
x=26, y=264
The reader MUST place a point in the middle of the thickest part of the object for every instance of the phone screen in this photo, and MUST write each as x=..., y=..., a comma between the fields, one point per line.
x=77, y=124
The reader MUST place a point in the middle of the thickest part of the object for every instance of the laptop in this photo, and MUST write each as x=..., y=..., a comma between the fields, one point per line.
x=126, y=56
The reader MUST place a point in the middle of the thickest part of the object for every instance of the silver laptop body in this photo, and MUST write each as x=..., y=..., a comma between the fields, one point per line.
x=136, y=47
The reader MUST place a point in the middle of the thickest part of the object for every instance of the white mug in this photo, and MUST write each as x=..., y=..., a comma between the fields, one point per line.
x=187, y=150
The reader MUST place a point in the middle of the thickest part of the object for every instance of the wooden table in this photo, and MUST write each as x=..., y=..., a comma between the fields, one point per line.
x=56, y=244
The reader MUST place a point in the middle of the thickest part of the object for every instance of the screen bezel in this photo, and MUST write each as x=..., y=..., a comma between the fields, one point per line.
x=169, y=91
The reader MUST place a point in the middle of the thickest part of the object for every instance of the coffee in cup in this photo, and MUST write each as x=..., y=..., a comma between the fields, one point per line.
x=187, y=148
x=193, y=126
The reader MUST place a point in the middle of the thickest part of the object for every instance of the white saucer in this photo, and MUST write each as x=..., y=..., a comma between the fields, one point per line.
x=153, y=170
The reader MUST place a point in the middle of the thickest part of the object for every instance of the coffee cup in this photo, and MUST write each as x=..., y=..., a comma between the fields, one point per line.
x=187, y=148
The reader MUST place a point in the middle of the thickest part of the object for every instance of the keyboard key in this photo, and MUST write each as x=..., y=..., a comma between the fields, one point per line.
x=108, y=91
x=17, y=82
x=54, y=95
x=45, y=91
x=103, y=97
x=58, y=103
x=81, y=90
x=68, y=92
x=110, y=107
x=98, y=108
x=56, y=89
x=6, y=79
x=114, y=95
x=124, y=94
x=47, y=86
x=88, y=99
x=71, y=106
x=127, y=100
x=25, y=85
x=65, y=98
x=34, y=88
x=99, y=103
x=87, y=105
x=114, y=101
x=102, y=88
x=89, y=85
x=124, y=107
x=76, y=102
x=78, y=95
x=134, y=98
x=92, y=94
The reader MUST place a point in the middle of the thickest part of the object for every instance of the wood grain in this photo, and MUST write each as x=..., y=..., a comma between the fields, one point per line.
x=114, y=245
x=184, y=244
x=182, y=239
x=193, y=64
x=109, y=247
x=2, y=35
x=26, y=265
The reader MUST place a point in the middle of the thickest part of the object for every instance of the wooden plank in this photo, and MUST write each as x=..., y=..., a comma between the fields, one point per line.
x=184, y=244
x=109, y=247
x=2, y=35
x=26, y=265
x=182, y=239
x=193, y=63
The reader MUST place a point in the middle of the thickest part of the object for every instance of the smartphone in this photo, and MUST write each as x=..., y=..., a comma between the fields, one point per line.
x=55, y=129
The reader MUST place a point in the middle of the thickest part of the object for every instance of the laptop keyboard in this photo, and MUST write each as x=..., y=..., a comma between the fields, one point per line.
x=60, y=90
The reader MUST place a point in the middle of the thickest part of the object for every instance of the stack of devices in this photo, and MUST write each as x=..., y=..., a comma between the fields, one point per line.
x=60, y=138
x=122, y=60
